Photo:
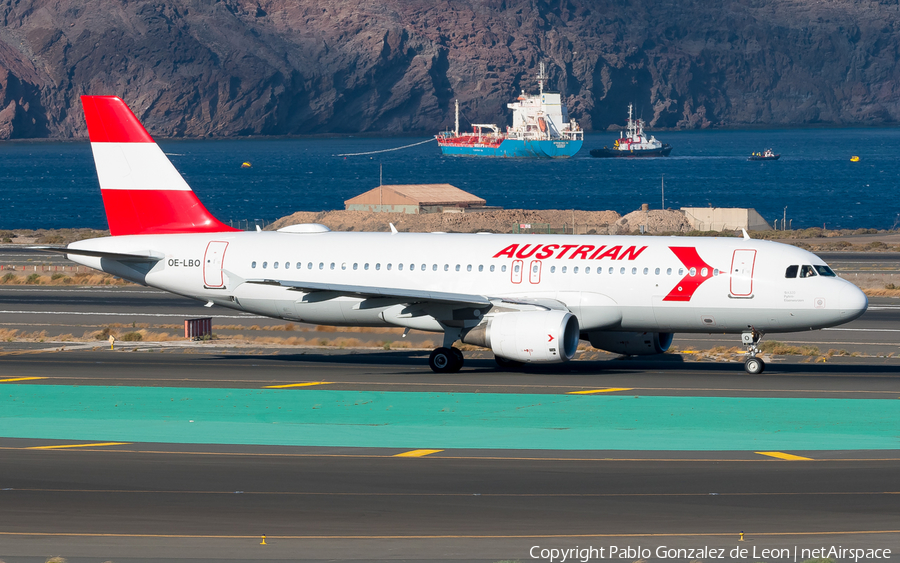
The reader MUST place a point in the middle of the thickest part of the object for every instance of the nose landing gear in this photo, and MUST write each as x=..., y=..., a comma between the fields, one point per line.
x=750, y=339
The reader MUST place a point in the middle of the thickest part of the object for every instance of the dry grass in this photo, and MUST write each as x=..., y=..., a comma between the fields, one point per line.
x=781, y=349
x=59, y=278
x=886, y=292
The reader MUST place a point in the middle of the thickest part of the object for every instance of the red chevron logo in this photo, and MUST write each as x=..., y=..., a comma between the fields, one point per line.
x=698, y=272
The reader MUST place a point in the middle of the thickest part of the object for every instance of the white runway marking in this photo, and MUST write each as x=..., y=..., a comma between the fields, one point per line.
x=179, y=315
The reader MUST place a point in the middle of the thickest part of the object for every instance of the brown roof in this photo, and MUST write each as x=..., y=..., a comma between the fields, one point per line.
x=416, y=194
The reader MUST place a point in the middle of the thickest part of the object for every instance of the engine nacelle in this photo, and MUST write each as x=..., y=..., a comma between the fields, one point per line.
x=631, y=343
x=528, y=336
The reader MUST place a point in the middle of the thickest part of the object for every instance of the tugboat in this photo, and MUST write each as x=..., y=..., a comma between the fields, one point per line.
x=765, y=155
x=633, y=143
x=541, y=129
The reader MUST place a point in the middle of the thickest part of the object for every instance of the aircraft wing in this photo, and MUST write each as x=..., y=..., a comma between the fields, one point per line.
x=406, y=295
x=143, y=256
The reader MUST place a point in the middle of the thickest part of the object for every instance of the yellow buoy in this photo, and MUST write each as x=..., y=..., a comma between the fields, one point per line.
x=854, y=159
x=245, y=165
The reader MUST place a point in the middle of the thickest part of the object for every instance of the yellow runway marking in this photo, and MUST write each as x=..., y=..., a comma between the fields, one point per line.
x=789, y=457
x=20, y=379
x=417, y=453
x=307, y=384
x=77, y=446
x=592, y=391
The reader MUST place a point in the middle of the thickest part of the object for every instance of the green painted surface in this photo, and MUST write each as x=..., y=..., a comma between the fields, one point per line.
x=307, y=417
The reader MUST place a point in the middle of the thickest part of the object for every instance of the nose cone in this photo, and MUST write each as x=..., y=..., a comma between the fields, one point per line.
x=853, y=303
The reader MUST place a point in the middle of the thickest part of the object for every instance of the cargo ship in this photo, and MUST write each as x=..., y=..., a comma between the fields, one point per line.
x=633, y=143
x=541, y=129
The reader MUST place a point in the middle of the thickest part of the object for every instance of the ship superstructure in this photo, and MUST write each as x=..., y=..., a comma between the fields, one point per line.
x=633, y=142
x=541, y=128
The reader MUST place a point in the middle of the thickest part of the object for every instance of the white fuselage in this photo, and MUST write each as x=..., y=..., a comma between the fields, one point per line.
x=626, y=283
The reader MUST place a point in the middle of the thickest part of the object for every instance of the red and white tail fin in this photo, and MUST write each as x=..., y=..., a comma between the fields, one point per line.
x=142, y=192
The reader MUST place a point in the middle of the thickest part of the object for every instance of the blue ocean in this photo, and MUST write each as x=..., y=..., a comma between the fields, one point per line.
x=814, y=184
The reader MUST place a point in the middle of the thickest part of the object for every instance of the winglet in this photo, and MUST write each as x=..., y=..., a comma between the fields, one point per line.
x=746, y=236
x=394, y=230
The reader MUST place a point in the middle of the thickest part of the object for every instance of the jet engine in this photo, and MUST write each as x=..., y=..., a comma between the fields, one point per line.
x=528, y=336
x=631, y=343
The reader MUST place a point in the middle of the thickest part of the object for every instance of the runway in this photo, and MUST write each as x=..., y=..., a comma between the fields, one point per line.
x=485, y=465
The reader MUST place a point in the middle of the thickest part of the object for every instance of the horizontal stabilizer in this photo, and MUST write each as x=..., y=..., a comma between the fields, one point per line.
x=145, y=256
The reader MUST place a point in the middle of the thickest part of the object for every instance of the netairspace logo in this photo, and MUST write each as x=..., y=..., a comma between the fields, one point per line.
x=585, y=554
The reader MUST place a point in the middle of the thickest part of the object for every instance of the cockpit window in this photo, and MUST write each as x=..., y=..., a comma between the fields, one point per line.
x=807, y=271
x=825, y=271
x=791, y=271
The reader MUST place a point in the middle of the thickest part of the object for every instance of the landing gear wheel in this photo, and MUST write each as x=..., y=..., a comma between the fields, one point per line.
x=460, y=359
x=507, y=364
x=754, y=366
x=443, y=360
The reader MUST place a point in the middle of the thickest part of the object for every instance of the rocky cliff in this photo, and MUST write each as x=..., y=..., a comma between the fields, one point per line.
x=272, y=67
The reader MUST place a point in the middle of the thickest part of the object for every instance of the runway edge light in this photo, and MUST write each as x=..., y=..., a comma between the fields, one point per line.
x=264, y=541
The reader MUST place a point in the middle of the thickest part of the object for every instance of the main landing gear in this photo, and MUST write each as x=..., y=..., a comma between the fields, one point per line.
x=446, y=360
x=750, y=339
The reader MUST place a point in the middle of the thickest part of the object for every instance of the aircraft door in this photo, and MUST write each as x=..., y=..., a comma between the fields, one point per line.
x=213, y=261
x=516, y=274
x=534, y=272
x=742, y=272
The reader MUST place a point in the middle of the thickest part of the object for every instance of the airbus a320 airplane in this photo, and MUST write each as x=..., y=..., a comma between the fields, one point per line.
x=528, y=298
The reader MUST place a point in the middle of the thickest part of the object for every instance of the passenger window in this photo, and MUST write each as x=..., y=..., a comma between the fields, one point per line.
x=287, y=265
x=503, y=268
x=253, y=264
x=434, y=267
x=610, y=270
x=646, y=271
x=321, y=265
x=791, y=271
x=366, y=267
x=692, y=272
x=516, y=268
x=344, y=266
x=564, y=269
x=575, y=270
x=668, y=271
x=633, y=271
x=389, y=266
x=656, y=272
x=423, y=267
x=309, y=266
x=825, y=271
x=377, y=265
x=552, y=269
x=587, y=270
x=457, y=267
x=446, y=267
x=400, y=267
x=481, y=268
x=703, y=272
x=492, y=267
x=355, y=264
x=275, y=265
x=299, y=265
x=680, y=271
x=621, y=270
x=807, y=271
x=716, y=272
x=265, y=264
x=469, y=268
x=332, y=265
x=412, y=267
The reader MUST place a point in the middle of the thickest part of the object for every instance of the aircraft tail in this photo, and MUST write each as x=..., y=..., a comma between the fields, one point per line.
x=142, y=192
